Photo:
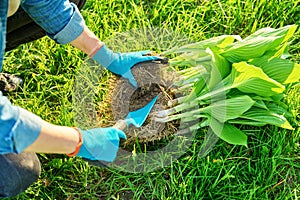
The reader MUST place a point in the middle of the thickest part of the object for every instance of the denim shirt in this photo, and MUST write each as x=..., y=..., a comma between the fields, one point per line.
x=63, y=23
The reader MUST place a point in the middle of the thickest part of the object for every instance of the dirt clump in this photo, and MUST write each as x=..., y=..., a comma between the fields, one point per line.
x=153, y=79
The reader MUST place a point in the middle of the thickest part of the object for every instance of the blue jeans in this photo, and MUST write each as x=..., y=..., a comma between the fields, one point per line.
x=17, y=173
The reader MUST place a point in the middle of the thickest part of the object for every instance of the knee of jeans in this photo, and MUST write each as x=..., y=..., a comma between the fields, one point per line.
x=17, y=173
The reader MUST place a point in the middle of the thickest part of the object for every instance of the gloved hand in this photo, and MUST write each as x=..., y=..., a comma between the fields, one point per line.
x=121, y=63
x=100, y=143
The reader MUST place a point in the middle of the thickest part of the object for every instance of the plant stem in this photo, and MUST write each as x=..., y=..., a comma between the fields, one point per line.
x=192, y=128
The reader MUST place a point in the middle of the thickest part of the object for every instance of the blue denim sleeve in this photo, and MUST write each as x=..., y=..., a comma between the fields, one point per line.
x=59, y=18
x=3, y=16
x=19, y=128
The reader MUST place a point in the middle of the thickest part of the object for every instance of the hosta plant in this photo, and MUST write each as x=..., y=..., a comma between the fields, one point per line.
x=227, y=81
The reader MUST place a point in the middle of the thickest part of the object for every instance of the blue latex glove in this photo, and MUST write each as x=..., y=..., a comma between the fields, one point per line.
x=100, y=143
x=121, y=63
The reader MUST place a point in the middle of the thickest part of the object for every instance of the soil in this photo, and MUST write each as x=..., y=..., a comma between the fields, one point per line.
x=153, y=78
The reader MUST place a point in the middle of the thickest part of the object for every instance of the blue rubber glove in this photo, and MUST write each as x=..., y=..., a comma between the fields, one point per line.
x=121, y=63
x=100, y=143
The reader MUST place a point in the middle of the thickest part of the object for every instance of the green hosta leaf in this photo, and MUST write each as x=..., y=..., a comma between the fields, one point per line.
x=229, y=108
x=247, y=79
x=228, y=132
x=248, y=49
x=285, y=32
x=281, y=70
x=228, y=39
x=280, y=52
x=220, y=42
x=260, y=104
x=199, y=86
x=260, y=42
x=267, y=116
x=250, y=79
x=280, y=108
x=248, y=122
x=276, y=97
x=220, y=68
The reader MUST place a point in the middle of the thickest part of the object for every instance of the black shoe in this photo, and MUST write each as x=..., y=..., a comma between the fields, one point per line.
x=9, y=83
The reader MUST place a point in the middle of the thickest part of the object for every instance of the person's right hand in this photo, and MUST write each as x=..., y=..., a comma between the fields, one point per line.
x=100, y=143
x=121, y=63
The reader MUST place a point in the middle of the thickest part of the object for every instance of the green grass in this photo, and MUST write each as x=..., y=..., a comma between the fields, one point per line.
x=268, y=169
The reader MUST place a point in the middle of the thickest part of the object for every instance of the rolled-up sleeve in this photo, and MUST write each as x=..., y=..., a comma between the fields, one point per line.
x=59, y=18
x=18, y=127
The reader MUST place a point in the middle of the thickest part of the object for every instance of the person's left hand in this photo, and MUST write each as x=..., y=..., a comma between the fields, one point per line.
x=121, y=63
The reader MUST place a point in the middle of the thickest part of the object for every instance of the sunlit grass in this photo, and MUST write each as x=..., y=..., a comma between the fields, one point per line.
x=268, y=169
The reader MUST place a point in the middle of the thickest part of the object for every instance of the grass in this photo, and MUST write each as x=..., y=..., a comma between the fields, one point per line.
x=268, y=169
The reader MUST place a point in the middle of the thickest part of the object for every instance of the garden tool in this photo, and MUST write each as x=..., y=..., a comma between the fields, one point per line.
x=137, y=117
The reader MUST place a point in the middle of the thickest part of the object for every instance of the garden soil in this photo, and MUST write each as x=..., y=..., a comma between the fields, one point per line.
x=153, y=78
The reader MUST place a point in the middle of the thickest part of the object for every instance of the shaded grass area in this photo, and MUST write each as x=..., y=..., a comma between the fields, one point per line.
x=268, y=169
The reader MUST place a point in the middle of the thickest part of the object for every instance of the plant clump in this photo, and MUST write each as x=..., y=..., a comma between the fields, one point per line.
x=152, y=80
x=234, y=81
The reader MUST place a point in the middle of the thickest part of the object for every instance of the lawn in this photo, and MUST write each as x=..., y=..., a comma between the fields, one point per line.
x=268, y=169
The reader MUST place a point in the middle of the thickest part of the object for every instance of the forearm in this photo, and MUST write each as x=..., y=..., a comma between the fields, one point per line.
x=87, y=42
x=55, y=139
x=22, y=130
